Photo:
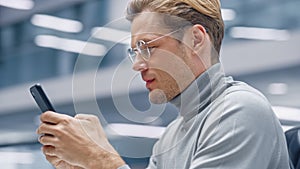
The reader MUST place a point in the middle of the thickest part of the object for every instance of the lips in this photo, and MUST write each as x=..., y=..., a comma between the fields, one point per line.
x=149, y=83
x=149, y=78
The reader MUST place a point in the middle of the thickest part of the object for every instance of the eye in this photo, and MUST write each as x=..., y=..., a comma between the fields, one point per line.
x=151, y=48
x=141, y=45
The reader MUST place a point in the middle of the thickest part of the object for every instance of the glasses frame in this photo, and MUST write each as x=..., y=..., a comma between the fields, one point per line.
x=142, y=48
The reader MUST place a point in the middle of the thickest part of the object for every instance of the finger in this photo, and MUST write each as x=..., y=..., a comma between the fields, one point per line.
x=53, y=117
x=46, y=128
x=53, y=159
x=48, y=140
x=84, y=116
x=88, y=117
x=49, y=151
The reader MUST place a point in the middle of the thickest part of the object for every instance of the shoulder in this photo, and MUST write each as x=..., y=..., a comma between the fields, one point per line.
x=246, y=100
x=241, y=120
x=242, y=108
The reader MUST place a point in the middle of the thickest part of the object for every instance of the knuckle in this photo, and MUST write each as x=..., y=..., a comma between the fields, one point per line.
x=93, y=118
x=42, y=139
x=57, y=131
x=48, y=158
x=44, y=115
x=47, y=150
x=66, y=121
x=41, y=128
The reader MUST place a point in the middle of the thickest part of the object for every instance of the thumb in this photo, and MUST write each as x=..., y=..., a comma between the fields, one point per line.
x=85, y=116
x=89, y=118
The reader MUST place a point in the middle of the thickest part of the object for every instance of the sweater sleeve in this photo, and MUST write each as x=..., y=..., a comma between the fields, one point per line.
x=124, y=167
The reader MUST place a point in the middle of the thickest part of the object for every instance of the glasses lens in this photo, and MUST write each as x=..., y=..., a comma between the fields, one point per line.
x=143, y=49
x=131, y=54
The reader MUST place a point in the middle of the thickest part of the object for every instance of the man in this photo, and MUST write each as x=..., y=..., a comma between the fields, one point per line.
x=222, y=123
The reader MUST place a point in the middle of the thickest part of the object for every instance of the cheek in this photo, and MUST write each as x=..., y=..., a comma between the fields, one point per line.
x=172, y=68
x=165, y=79
x=166, y=61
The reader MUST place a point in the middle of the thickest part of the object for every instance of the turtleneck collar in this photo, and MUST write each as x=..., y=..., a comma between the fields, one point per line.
x=201, y=92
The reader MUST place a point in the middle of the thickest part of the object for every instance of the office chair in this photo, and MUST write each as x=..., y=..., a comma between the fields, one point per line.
x=293, y=143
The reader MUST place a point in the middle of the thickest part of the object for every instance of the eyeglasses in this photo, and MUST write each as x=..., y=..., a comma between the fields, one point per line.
x=143, y=48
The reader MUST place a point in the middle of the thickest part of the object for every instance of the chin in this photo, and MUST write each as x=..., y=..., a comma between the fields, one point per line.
x=157, y=96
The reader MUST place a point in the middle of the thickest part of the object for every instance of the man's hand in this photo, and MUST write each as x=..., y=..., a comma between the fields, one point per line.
x=60, y=164
x=78, y=141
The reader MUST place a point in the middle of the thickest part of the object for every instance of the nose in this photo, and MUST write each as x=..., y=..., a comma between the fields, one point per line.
x=139, y=64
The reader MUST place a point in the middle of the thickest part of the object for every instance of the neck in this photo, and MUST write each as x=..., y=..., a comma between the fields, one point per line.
x=200, y=92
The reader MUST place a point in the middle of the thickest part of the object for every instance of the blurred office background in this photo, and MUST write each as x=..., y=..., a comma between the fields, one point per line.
x=44, y=41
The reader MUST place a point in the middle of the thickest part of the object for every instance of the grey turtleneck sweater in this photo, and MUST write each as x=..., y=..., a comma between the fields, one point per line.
x=223, y=124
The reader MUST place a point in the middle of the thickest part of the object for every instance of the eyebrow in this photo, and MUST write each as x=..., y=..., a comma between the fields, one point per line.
x=159, y=36
x=146, y=39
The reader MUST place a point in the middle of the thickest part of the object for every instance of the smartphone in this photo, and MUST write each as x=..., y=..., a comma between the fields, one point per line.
x=41, y=98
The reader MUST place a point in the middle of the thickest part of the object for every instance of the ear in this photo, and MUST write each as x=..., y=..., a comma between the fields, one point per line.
x=199, y=33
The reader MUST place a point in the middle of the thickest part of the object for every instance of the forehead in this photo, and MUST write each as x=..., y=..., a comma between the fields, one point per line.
x=147, y=23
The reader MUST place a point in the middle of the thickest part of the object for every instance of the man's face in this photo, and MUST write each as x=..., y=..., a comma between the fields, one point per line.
x=167, y=73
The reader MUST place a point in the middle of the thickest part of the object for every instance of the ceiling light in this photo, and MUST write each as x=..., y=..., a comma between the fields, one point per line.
x=18, y=4
x=70, y=45
x=134, y=130
x=56, y=23
x=113, y=35
x=228, y=14
x=259, y=33
x=278, y=88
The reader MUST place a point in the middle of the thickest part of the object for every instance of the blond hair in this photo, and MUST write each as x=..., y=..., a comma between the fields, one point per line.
x=204, y=12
